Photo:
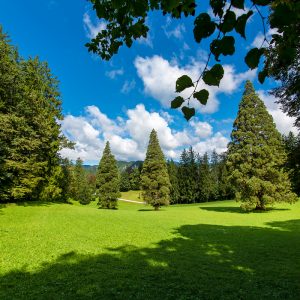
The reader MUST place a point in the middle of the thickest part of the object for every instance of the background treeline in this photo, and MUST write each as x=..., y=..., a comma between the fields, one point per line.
x=199, y=178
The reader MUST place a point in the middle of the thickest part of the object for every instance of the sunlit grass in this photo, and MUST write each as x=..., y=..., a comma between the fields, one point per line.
x=209, y=251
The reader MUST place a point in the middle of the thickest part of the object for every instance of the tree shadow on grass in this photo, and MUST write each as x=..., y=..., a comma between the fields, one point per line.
x=201, y=262
x=239, y=210
x=151, y=209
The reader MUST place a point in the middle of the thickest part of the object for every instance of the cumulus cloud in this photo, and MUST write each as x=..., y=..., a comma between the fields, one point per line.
x=159, y=77
x=283, y=122
x=92, y=29
x=129, y=136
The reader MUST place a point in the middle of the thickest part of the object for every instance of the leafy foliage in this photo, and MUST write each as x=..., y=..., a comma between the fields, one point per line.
x=126, y=22
x=292, y=148
x=107, y=180
x=155, y=182
x=80, y=189
x=30, y=136
x=257, y=157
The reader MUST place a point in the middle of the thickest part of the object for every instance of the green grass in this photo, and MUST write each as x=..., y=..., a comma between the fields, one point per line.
x=207, y=251
x=132, y=195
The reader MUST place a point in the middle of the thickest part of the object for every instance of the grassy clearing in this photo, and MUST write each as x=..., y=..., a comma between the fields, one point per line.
x=207, y=251
x=132, y=195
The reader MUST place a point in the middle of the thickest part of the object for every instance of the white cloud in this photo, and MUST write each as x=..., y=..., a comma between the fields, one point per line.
x=202, y=129
x=128, y=86
x=92, y=29
x=283, y=122
x=114, y=73
x=260, y=38
x=159, y=77
x=129, y=136
x=218, y=142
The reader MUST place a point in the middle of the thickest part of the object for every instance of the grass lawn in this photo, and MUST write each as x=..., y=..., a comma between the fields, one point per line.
x=207, y=251
x=132, y=195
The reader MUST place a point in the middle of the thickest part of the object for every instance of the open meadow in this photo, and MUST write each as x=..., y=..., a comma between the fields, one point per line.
x=201, y=251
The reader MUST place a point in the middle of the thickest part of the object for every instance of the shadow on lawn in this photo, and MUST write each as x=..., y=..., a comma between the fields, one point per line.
x=202, y=262
x=239, y=210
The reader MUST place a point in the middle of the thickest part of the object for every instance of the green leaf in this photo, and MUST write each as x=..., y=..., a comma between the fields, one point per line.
x=214, y=75
x=227, y=45
x=224, y=46
x=188, y=112
x=217, y=7
x=262, y=2
x=238, y=3
x=202, y=96
x=229, y=22
x=177, y=102
x=241, y=21
x=204, y=27
x=253, y=56
x=262, y=76
x=183, y=82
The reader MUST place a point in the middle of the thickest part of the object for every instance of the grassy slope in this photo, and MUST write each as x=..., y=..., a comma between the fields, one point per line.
x=209, y=251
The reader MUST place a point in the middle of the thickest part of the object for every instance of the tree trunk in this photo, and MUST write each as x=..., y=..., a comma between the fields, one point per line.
x=156, y=207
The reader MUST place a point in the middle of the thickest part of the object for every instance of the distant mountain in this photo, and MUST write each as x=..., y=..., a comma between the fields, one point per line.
x=122, y=165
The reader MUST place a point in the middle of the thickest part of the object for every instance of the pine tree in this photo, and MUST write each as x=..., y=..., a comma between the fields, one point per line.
x=188, y=177
x=30, y=136
x=206, y=184
x=173, y=175
x=107, y=180
x=256, y=156
x=155, y=182
x=80, y=190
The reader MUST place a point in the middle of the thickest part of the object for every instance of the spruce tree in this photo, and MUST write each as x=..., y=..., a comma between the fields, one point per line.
x=173, y=175
x=256, y=156
x=107, y=180
x=155, y=182
x=188, y=177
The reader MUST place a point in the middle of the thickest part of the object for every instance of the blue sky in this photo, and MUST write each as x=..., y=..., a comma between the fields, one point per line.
x=123, y=99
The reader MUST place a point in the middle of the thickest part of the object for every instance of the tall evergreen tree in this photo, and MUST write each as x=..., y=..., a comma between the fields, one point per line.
x=206, y=184
x=188, y=176
x=256, y=156
x=30, y=136
x=173, y=175
x=155, y=182
x=107, y=180
x=80, y=189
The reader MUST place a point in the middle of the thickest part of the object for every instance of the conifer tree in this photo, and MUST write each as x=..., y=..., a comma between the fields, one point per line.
x=107, y=180
x=188, y=177
x=80, y=190
x=256, y=156
x=155, y=182
x=173, y=175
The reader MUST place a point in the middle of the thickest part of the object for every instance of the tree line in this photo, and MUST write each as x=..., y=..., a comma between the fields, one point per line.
x=259, y=168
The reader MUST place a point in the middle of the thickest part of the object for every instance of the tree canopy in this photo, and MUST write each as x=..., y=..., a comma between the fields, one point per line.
x=107, y=180
x=30, y=136
x=126, y=22
x=155, y=182
x=257, y=157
